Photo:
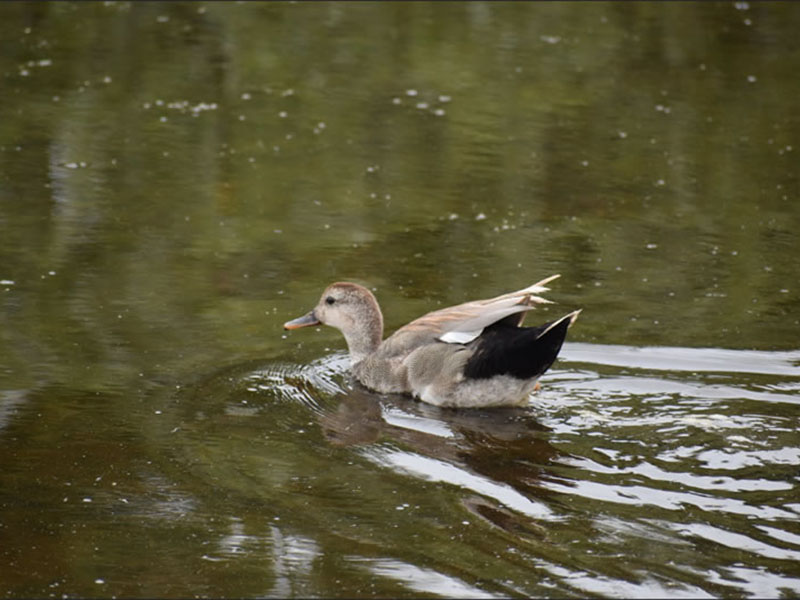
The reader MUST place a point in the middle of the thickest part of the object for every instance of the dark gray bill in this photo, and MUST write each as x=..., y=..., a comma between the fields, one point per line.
x=304, y=321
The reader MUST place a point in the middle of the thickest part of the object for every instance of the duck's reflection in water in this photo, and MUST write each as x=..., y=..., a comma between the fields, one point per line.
x=502, y=453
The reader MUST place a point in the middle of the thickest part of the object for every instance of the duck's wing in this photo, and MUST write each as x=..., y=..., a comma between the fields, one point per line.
x=463, y=323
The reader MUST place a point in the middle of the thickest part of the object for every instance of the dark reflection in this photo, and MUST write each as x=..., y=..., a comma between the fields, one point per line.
x=502, y=518
x=276, y=410
x=494, y=442
x=506, y=445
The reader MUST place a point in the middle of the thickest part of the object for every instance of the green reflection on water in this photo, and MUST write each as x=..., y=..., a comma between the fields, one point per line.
x=178, y=179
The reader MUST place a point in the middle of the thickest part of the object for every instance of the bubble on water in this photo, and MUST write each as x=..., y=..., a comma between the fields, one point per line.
x=245, y=96
x=752, y=78
x=651, y=246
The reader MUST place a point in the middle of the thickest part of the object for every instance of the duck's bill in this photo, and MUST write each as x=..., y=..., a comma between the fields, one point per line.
x=304, y=321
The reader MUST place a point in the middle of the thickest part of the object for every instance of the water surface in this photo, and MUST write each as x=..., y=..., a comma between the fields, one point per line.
x=177, y=180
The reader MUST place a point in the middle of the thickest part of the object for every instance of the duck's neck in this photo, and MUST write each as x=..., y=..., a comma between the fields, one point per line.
x=365, y=336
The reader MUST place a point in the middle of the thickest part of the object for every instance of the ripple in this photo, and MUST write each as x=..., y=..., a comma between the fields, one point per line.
x=422, y=580
x=640, y=495
x=685, y=359
x=435, y=470
x=623, y=387
x=722, y=459
x=304, y=384
x=737, y=541
x=651, y=457
x=648, y=587
x=701, y=482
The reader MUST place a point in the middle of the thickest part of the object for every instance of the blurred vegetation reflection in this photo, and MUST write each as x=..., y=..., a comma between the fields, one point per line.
x=177, y=179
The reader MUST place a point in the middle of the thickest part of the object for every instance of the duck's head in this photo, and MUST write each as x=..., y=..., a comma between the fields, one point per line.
x=354, y=311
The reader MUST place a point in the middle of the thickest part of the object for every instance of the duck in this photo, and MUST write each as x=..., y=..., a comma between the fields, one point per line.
x=472, y=355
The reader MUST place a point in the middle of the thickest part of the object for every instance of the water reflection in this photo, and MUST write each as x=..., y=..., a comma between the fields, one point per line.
x=321, y=454
x=175, y=177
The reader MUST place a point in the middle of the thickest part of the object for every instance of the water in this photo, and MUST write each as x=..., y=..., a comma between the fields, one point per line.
x=177, y=180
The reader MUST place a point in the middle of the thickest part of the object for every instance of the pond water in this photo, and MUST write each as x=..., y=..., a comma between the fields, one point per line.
x=179, y=179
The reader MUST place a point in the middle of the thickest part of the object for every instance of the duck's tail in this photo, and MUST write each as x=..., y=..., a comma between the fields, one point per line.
x=529, y=296
x=522, y=352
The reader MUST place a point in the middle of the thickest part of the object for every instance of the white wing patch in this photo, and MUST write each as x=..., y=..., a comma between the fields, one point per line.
x=463, y=332
x=460, y=337
x=488, y=312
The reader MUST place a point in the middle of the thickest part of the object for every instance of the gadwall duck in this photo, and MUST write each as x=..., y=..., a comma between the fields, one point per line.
x=475, y=354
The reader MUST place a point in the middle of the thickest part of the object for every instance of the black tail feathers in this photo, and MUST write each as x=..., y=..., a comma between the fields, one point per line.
x=522, y=352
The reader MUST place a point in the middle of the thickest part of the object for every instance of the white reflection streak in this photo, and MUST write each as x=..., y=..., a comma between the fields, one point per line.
x=436, y=470
x=598, y=584
x=780, y=534
x=720, y=459
x=430, y=426
x=703, y=482
x=234, y=542
x=652, y=385
x=292, y=556
x=735, y=540
x=758, y=583
x=9, y=401
x=685, y=359
x=643, y=496
x=648, y=588
x=425, y=581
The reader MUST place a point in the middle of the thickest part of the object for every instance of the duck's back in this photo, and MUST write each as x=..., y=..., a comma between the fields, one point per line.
x=471, y=354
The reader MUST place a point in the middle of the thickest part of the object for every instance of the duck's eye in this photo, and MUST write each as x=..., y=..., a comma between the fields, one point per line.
x=330, y=300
